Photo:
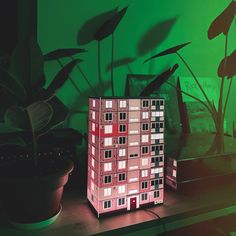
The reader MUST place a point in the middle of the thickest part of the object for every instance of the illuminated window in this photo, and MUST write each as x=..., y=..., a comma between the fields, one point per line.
x=121, y=189
x=156, y=170
x=145, y=115
x=94, y=103
x=93, y=126
x=93, y=150
x=121, y=165
x=108, y=104
x=144, y=161
x=107, y=192
x=93, y=162
x=145, y=138
x=144, y=173
x=92, y=174
x=93, y=138
x=108, y=166
x=93, y=115
x=107, y=141
x=122, y=104
x=122, y=152
x=108, y=129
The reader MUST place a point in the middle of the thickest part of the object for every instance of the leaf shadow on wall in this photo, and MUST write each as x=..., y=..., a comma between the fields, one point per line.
x=86, y=33
x=153, y=37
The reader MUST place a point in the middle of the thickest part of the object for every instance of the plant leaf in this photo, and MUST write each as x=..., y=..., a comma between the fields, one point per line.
x=120, y=62
x=64, y=52
x=17, y=117
x=27, y=64
x=11, y=140
x=168, y=51
x=160, y=79
x=40, y=114
x=227, y=67
x=60, y=112
x=12, y=86
x=110, y=25
x=86, y=33
x=222, y=22
x=6, y=128
x=154, y=36
x=62, y=76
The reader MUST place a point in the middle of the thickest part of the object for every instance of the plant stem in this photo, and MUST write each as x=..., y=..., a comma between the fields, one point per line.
x=85, y=77
x=112, y=64
x=71, y=80
x=227, y=96
x=99, y=66
x=34, y=140
x=188, y=94
x=196, y=80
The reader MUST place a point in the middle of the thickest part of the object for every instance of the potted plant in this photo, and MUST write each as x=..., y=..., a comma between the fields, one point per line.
x=31, y=189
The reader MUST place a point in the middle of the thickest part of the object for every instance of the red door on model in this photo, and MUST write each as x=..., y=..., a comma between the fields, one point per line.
x=133, y=203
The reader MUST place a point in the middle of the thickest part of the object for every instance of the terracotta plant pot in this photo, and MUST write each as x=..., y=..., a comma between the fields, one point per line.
x=32, y=196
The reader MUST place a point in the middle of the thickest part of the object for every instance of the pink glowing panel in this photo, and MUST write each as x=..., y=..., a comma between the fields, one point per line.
x=125, y=153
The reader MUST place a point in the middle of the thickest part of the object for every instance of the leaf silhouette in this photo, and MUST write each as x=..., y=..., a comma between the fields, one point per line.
x=90, y=27
x=222, y=22
x=160, y=79
x=64, y=52
x=168, y=51
x=62, y=76
x=155, y=36
x=12, y=85
x=227, y=66
x=110, y=25
x=120, y=62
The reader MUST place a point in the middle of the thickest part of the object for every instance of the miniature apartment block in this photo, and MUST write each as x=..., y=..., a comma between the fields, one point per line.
x=125, y=153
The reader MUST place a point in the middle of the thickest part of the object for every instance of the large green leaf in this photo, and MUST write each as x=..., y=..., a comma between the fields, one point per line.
x=17, y=117
x=64, y=52
x=12, y=85
x=168, y=51
x=62, y=76
x=160, y=79
x=222, y=22
x=110, y=25
x=227, y=66
x=40, y=114
x=90, y=27
x=27, y=63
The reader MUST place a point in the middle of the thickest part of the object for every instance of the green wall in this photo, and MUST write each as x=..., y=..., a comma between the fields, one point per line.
x=60, y=20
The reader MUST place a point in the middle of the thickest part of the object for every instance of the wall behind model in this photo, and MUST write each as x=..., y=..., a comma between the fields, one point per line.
x=60, y=20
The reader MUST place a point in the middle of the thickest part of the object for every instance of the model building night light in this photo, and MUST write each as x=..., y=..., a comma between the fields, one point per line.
x=125, y=153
